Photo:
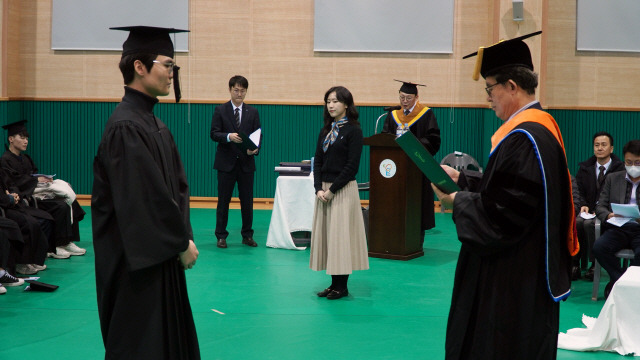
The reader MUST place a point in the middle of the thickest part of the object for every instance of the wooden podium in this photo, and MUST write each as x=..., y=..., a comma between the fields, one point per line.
x=395, y=201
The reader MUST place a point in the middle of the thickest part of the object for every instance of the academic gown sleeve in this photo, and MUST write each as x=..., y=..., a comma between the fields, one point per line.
x=20, y=174
x=151, y=225
x=509, y=201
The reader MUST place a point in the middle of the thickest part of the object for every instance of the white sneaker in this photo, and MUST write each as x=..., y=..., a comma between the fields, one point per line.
x=60, y=253
x=3, y=290
x=25, y=269
x=73, y=249
x=10, y=280
x=38, y=267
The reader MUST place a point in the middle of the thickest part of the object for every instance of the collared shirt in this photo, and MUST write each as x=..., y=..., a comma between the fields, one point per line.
x=523, y=108
x=410, y=110
x=632, y=190
x=606, y=167
x=239, y=115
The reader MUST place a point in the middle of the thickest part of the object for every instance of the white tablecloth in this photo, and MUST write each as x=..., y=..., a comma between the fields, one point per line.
x=617, y=328
x=292, y=210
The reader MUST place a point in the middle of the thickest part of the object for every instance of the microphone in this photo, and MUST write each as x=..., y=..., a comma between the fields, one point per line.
x=391, y=108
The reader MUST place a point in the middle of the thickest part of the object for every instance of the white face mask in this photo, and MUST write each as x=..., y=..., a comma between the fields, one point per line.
x=633, y=171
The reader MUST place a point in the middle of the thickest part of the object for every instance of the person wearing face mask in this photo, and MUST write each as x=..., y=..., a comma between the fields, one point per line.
x=619, y=188
x=589, y=180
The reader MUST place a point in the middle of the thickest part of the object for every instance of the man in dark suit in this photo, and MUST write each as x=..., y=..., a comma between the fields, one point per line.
x=619, y=188
x=590, y=178
x=235, y=163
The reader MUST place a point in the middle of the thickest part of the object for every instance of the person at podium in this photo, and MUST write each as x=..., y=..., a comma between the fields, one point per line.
x=515, y=223
x=338, y=241
x=420, y=120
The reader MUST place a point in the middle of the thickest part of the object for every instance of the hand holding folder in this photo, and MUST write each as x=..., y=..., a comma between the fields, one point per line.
x=249, y=142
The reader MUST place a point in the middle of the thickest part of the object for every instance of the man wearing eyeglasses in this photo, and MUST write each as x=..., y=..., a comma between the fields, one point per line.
x=234, y=162
x=142, y=233
x=619, y=188
x=514, y=222
x=420, y=120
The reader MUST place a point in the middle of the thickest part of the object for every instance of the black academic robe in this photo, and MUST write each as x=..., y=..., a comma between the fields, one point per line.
x=514, y=263
x=140, y=217
x=427, y=131
x=20, y=170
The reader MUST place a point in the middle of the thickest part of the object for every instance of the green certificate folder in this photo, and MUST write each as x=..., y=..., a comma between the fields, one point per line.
x=426, y=163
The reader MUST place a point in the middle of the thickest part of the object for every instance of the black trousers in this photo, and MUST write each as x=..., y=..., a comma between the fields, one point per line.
x=226, y=184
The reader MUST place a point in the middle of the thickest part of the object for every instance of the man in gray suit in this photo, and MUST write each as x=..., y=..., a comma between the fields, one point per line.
x=619, y=188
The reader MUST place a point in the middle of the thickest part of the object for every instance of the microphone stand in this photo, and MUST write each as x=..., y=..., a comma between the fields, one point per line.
x=379, y=117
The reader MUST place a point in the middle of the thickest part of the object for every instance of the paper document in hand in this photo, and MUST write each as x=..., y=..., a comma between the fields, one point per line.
x=587, y=216
x=626, y=213
x=255, y=137
x=626, y=210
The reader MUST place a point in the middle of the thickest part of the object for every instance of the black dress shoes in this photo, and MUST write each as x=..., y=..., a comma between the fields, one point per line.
x=222, y=243
x=324, y=292
x=589, y=274
x=576, y=273
x=337, y=294
x=249, y=242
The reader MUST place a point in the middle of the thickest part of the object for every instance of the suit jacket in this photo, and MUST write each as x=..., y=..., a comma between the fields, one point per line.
x=586, y=178
x=222, y=124
x=614, y=191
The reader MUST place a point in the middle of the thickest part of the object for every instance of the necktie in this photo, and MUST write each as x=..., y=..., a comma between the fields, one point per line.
x=600, y=177
x=406, y=112
x=237, y=115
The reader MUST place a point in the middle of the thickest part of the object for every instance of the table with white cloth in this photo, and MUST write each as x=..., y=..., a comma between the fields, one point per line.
x=293, y=206
x=616, y=328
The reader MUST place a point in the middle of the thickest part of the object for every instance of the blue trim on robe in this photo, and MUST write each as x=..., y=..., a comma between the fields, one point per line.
x=546, y=207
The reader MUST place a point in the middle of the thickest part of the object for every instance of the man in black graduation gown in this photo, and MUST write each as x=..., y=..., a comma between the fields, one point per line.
x=515, y=224
x=420, y=120
x=140, y=214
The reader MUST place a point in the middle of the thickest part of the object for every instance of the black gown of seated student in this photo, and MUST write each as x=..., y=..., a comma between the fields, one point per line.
x=140, y=216
x=20, y=169
x=35, y=226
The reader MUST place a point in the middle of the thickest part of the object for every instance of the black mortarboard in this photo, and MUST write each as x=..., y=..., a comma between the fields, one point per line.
x=40, y=286
x=15, y=128
x=148, y=39
x=409, y=87
x=152, y=40
x=513, y=52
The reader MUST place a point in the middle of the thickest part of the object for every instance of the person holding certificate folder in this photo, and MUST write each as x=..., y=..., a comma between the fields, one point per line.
x=619, y=188
x=338, y=241
x=515, y=223
x=232, y=122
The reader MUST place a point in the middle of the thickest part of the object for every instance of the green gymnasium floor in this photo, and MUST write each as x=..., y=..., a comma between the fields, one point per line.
x=265, y=303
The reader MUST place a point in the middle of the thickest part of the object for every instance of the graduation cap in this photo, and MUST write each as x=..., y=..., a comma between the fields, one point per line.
x=151, y=40
x=513, y=52
x=15, y=127
x=409, y=87
x=40, y=286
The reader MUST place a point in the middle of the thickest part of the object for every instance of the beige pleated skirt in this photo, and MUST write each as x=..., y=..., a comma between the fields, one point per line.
x=338, y=240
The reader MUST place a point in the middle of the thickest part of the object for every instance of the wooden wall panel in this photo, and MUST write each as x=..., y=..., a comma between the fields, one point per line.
x=271, y=43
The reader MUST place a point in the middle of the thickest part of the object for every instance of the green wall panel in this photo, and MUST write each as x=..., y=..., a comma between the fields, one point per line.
x=65, y=135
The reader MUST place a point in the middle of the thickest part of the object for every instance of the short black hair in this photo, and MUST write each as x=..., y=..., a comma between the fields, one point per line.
x=522, y=76
x=240, y=81
x=633, y=147
x=126, y=65
x=603, y=133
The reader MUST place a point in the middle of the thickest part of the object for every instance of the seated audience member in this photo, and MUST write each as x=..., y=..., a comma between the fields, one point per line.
x=8, y=229
x=33, y=226
x=619, y=188
x=590, y=177
x=23, y=173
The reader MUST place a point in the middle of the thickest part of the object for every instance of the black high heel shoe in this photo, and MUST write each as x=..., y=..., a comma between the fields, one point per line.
x=337, y=294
